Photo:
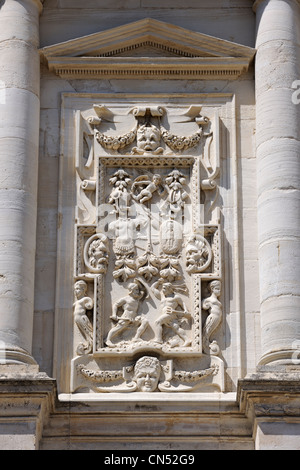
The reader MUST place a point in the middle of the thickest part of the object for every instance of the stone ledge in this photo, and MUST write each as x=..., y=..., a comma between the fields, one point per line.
x=27, y=399
x=16, y=378
x=270, y=393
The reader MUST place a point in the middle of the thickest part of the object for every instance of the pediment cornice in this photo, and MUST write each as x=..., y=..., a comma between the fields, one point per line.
x=148, y=49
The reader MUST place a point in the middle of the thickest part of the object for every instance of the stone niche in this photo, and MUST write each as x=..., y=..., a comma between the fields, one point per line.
x=139, y=291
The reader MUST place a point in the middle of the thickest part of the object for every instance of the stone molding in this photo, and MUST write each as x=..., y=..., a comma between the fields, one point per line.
x=270, y=399
x=167, y=51
x=270, y=394
x=42, y=420
x=27, y=397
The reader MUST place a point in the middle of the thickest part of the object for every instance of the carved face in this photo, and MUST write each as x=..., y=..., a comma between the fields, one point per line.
x=167, y=289
x=80, y=289
x=215, y=287
x=98, y=252
x=135, y=291
x=196, y=254
x=157, y=180
x=148, y=138
x=147, y=373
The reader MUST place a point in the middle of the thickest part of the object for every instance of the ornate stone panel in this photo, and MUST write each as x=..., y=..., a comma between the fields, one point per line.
x=140, y=245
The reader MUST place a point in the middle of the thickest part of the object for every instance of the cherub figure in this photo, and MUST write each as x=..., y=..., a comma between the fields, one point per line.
x=129, y=317
x=81, y=305
x=214, y=306
x=149, y=187
x=148, y=140
x=173, y=309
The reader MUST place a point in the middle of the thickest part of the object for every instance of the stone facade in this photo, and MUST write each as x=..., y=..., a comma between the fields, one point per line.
x=149, y=256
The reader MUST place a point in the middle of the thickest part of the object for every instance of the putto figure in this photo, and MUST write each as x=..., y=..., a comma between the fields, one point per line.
x=173, y=310
x=214, y=306
x=81, y=305
x=129, y=305
x=147, y=187
x=148, y=140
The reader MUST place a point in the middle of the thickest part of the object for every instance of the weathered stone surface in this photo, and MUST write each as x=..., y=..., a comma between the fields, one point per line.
x=158, y=102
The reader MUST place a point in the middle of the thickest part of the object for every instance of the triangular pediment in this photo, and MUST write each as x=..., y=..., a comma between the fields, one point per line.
x=147, y=48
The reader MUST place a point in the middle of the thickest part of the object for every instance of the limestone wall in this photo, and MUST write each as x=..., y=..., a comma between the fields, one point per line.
x=232, y=21
x=182, y=332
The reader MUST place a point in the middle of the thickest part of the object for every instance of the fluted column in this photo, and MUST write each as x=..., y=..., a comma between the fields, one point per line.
x=278, y=164
x=19, y=130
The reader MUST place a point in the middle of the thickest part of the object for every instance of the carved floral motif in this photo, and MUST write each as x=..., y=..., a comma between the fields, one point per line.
x=116, y=143
x=179, y=143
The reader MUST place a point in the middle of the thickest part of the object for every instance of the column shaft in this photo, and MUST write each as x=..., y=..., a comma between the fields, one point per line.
x=278, y=164
x=19, y=130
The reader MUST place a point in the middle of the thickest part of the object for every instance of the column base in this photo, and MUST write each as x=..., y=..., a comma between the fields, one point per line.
x=287, y=357
x=10, y=354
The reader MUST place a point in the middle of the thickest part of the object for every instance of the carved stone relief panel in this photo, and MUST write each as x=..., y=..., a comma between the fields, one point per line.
x=147, y=278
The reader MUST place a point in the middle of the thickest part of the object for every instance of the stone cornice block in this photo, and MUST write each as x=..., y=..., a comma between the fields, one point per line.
x=270, y=395
x=27, y=399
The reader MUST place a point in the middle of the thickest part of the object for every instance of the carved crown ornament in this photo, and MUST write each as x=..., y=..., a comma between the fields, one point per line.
x=148, y=49
x=147, y=282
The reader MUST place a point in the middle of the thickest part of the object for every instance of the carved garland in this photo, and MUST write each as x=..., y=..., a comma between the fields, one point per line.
x=179, y=143
x=116, y=143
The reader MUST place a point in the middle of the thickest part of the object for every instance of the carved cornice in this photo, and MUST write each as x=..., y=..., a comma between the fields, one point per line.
x=148, y=49
x=270, y=395
x=161, y=68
